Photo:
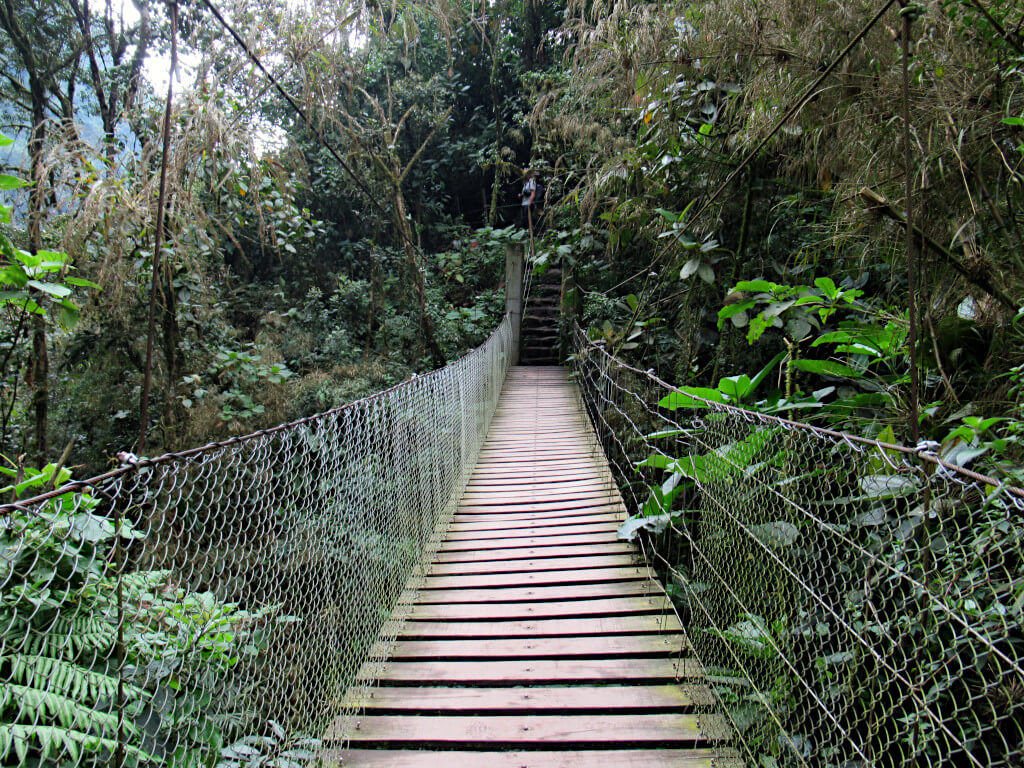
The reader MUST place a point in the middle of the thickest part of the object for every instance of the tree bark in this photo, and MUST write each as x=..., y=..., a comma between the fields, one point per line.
x=40, y=362
x=418, y=278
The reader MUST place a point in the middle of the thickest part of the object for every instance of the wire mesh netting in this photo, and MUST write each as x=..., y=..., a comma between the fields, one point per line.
x=215, y=607
x=852, y=603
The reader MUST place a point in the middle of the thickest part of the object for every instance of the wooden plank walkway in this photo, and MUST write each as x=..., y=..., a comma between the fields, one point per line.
x=536, y=640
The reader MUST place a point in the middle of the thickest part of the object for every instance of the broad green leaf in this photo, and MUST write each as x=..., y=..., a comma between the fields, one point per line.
x=656, y=461
x=13, y=275
x=887, y=486
x=827, y=286
x=54, y=289
x=735, y=387
x=67, y=315
x=834, y=337
x=11, y=182
x=685, y=398
x=754, y=286
x=6, y=296
x=824, y=367
x=655, y=524
x=82, y=282
x=798, y=328
x=733, y=309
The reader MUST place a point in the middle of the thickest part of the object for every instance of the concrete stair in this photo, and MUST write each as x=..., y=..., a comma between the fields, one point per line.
x=539, y=338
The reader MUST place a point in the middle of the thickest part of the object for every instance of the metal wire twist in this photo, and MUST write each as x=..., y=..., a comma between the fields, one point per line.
x=853, y=603
x=225, y=605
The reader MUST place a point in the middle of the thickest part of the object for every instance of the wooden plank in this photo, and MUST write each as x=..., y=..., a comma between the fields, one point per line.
x=550, y=517
x=534, y=531
x=527, y=553
x=560, y=699
x=461, y=524
x=631, y=758
x=568, y=501
x=527, y=470
x=528, y=476
x=494, y=580
x=549, y=627
x=550, y=492
x=488, y=513
x=539, y=506
x=540, y=480
x=532, y=455
x=571, y=448
x=595, y=497
x=606, y=606
x=552, y=438
x=604, y=646
x=574, y=446
x=539, y=592
x=543, y=592
x=535, y=452
x=525, y=567
x=661, y=729
x=515, y=470
x=479, y=545
x=619, y=671
x=500, y=463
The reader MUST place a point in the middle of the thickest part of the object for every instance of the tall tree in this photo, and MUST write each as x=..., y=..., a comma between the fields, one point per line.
x=116, y=52
x=39, y=53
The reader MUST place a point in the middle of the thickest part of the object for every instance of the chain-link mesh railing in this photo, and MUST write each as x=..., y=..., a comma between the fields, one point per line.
x=852, y=603
x=214, y=607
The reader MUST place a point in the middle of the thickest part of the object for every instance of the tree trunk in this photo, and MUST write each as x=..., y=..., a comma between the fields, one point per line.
x=492, y=214
x=171, y=334
x=419, y=282
x=39, y=367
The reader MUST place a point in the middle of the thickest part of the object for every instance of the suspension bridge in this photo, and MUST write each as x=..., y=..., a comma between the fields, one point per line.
x=502, y=565
x=534, y=626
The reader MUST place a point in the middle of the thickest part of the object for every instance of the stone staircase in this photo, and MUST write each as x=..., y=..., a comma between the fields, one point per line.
x=539, y=337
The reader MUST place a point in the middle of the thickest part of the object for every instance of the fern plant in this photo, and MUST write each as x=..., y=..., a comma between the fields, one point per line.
x=171, y=692
x=58, y=635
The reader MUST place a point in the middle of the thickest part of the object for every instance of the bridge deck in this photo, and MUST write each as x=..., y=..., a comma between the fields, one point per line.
x=537, y=639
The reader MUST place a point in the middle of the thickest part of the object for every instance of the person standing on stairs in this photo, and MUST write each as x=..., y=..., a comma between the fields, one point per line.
x=528, y=195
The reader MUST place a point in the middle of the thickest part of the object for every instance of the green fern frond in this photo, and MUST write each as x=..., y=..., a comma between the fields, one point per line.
x=54, y=741
x=36, y=705
x=74, y=637
x=50, y=674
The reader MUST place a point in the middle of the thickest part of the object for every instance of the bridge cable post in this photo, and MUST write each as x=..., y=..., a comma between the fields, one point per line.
x=514, y=295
